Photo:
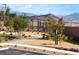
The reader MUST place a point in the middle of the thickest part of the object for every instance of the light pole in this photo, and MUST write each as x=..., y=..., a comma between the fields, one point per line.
x=56, y=37
x=71, y=21
x=4, y=15
x=38, y=25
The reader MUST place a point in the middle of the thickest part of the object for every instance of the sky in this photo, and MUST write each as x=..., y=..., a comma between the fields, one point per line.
x=38, y=9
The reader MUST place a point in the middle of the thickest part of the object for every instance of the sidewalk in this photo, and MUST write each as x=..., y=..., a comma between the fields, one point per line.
x=41, y=48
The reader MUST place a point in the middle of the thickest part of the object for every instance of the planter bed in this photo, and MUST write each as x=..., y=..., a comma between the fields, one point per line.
x=63, y=48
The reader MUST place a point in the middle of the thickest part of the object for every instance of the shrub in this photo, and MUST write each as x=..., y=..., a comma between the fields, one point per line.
x=6, y=39
x=66, y=38
x=44, y=36
x=0, y=40
x=52, y=35
x=23, y=34
x=70, y=38
x=4, y=35
x=63, y=37
x=29, y=36
x=48, y=37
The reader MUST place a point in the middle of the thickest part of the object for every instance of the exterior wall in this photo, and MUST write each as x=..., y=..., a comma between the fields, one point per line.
x=35, y=25
x=72, y=31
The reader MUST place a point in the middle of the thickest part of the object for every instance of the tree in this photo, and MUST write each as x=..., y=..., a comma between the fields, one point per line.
x=5, y=18
x=55, y=27
x=49, y=25
x=61, y=25
x=8, y=22
x=7, y=11
x=1, y=13
x=58, y=29
x=20, y=23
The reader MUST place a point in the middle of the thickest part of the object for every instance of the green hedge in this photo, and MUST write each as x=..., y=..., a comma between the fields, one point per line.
x=4, y=35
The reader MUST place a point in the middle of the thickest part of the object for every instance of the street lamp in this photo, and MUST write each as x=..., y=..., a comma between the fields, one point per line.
x=71, y=21
x=4, y=11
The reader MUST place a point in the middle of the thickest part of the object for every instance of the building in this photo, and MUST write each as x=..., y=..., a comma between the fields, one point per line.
x=72, y=29
x=38, y=22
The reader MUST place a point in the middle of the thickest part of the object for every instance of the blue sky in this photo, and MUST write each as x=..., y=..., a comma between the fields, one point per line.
x=57, y=9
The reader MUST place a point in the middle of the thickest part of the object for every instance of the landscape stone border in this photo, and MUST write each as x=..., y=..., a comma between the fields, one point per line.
x=63, y=48
x=38, y=50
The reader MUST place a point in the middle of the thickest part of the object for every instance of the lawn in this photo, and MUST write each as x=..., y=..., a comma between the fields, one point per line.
x=33, y=33
x=51, y=43
x=3, y=35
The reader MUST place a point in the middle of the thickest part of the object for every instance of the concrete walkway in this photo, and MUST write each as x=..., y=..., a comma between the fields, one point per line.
x=18, y=41
x=41, y=48
x=4, y=48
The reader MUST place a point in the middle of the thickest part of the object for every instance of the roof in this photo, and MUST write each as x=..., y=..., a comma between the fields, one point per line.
x=72, y=24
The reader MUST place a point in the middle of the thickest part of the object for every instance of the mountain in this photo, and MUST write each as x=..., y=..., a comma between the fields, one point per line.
x=44, y=17
x=72, y=17
x=22, y=13
x=32, y=16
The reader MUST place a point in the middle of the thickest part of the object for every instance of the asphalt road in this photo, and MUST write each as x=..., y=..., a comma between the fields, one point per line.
x=17, y=52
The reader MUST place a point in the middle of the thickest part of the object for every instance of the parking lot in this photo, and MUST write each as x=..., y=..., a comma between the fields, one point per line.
x=17, y=52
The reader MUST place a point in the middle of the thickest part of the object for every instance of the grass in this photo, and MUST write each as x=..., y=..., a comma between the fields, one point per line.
x=50, y=43
x=32, y=33
x=4, y=35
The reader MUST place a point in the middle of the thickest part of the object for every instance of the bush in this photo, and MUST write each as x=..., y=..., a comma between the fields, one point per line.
x=63, y=37
x=6, y=39
x=66, y=38
x=29, y=36
x=23, y=34
x=0, y=40
x=4, y=35
x=51, y=35
x=7, y=36
x=44, y=36
x=70, y=38
x=48, y=37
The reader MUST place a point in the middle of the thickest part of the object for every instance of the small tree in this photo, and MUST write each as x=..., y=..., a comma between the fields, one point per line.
x=61, y=25
x=9, y=23
x=58, y=28
x=49, y=25
x=20, y=23
x=55, y=27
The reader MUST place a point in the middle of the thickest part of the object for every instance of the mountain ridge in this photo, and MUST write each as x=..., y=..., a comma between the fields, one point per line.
x=72, y=17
